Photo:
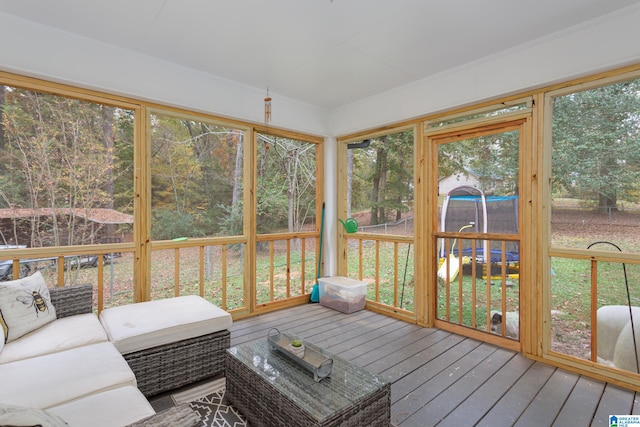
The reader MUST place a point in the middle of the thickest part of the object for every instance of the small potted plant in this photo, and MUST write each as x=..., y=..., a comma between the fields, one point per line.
x=297, y=347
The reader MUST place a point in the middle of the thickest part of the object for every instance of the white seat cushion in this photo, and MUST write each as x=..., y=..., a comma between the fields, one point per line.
x=112, y=408
x=59, y=335
x=56, y=378
x=136, y=327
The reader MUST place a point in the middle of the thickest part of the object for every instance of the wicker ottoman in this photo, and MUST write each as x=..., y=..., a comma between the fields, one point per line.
x=170, y=343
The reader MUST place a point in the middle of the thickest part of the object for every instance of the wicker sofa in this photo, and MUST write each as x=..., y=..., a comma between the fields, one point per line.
x=70, y=369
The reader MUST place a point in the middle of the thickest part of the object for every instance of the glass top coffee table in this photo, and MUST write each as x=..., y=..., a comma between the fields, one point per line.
x=272, y=390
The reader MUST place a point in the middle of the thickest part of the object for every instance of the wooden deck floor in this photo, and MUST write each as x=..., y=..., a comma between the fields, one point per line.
x=439, y=378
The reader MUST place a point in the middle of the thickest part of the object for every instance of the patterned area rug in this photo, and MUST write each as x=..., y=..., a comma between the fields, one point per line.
x=209, y=402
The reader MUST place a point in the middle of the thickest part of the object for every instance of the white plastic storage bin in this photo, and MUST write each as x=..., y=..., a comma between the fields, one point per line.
x=342, y=293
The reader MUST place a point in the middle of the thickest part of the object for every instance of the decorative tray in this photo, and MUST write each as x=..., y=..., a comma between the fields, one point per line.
x=312, y=360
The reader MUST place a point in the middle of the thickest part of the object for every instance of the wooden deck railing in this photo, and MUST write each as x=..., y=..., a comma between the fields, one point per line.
x=385, y=262
x=210, y=267
x=286, y=266
x=477, y=273
x=286, y=269
x=70, y=265
x=598, y=278
x=214, y=268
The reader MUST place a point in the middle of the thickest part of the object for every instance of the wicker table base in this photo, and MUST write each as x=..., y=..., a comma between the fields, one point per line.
x=270, y=390
x=170, y=366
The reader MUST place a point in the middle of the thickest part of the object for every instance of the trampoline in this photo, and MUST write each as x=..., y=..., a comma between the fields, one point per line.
x=468, y=208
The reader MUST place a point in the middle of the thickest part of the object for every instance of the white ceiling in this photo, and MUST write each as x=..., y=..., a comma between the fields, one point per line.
x=327, y=53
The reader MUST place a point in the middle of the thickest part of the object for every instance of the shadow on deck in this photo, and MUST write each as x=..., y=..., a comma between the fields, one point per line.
x=439, y=378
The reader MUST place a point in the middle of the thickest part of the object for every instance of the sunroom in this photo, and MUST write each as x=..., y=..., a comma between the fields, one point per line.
x=463, y=160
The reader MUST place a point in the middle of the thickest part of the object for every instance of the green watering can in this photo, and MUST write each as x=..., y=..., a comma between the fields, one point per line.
x=350, y=225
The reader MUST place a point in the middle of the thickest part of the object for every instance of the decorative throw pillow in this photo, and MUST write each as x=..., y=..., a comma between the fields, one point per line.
x=24, y=306
x=18, y=416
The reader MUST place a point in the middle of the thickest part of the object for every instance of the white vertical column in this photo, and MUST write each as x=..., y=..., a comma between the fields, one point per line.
x=330, y=253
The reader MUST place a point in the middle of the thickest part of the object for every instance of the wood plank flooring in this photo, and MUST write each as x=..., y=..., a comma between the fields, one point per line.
x=439, y=378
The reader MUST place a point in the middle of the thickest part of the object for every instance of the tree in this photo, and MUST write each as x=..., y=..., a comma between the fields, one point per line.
x=383, y=170
x=2, y=92
x=596, y=144
x=197, y=172
x=399, y=185
x=379, y=179
x=286, y=183
x=60, y=152
x=492, y=158
x=123, y=178
x=108, y=134
x=349, y=180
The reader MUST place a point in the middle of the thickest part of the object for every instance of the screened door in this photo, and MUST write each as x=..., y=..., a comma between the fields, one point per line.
x=476, y=240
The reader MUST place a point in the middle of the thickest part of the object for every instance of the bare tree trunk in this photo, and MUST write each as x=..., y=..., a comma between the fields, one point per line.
x=382, y=215
x=204, y=144
x=2, y=143
x=237, y=179
x=379, y=178
x=108, y=143
x=292, y=179
x=263, y=150
x=375, y=191
x=607, y=202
